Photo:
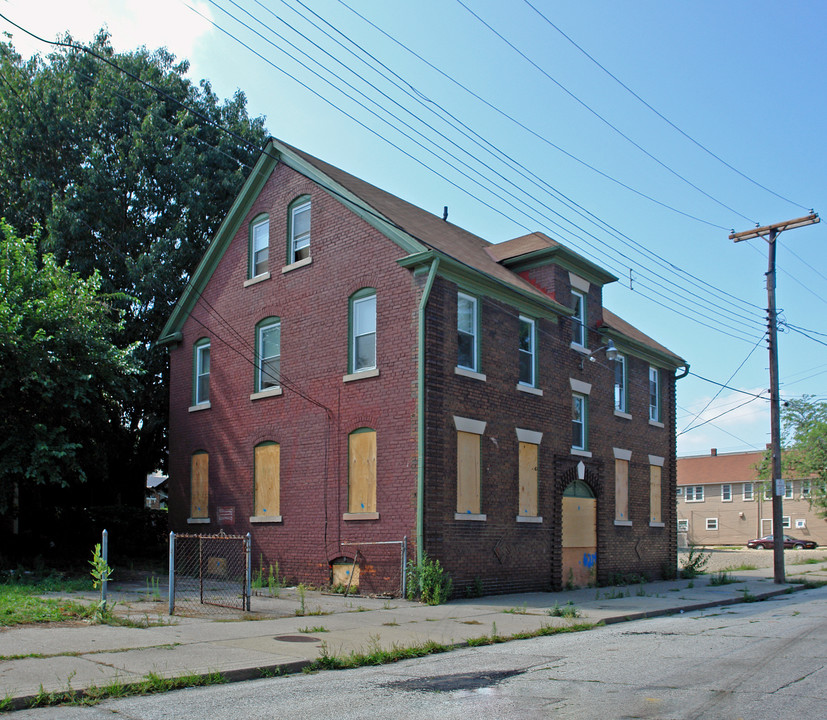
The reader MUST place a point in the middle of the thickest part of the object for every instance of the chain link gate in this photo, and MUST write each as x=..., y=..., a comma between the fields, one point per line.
x=209, y=570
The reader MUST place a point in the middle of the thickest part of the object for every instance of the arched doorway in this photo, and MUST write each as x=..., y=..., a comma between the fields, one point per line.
x=579, y=535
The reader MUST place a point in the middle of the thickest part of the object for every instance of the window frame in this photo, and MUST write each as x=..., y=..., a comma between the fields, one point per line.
x=299, y=205
x=683, y=525
x=252, y=263
x=262, y=326
x=474, y=334
x=469, y=433
x=786, y=522
x=654, y=383
x=692, y=493
x=579, y=318
x=583, y=421
x=531, y=353
x=621, y=389
x=788, y=489
x=261, y=513
x=806, y=489
x=199, y=514
x=622, y=491
x=712, y=524
x=726, y=496
x=204, y=345
x=355, y=301
x=748, y=495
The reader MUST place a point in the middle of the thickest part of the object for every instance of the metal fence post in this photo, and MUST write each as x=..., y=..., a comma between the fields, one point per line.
x=404, y=565
x=248, y=575
x=105, y=575
x=171, y=591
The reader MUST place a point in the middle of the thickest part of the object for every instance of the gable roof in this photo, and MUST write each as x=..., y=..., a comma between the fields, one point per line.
x=464, y=257
x=715, y=469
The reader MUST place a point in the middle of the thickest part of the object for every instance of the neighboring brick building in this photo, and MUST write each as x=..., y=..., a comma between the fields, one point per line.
x=721, y=501
x=348, y=368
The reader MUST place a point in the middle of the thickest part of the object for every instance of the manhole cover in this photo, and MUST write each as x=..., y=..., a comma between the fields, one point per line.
x=296, y=638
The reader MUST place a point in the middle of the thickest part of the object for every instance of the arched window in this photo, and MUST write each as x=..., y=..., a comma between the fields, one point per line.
x=298, y=230
x=362, y=330
x=268, y=354
x=259, y=246
x=361, y=479
x=266, y=482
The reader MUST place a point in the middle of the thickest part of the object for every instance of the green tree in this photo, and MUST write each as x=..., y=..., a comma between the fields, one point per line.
x=62, y=378
x=128, y=182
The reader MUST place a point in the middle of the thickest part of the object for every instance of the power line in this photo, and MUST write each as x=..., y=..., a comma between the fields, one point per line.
x=660, y=115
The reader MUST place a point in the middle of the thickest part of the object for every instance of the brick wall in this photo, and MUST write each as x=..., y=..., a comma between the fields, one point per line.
x=311, y=420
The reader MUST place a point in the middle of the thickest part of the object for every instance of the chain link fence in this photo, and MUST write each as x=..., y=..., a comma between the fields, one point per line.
x=208, y=572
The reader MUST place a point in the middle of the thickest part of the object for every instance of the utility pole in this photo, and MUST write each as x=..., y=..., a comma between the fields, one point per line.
x=770, y=233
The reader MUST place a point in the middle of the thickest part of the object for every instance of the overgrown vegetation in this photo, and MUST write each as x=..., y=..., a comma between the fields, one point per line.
x=428, y=582
x=569, y=610
x=722, y=577
x=694, y=563
x=271, y=580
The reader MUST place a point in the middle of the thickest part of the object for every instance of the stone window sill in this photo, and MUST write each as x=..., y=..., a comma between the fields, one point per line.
x=269, y=392
x=470, y=516
x=296, y=265
x=361, y=375
x=361, y=516
x=257, y=279
x=469, y=374
x=530, y=390
x=581, y=453
x=623, y=523
x=529, y=518
x=657, y=524
x=621, y=414
x=655, y=423
x=200, y=406
x=582, y=349
x=265, y=519
x=198, y=521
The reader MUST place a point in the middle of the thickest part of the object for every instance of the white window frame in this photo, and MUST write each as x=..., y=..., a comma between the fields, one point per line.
x=654, y=394
x=529, y=353
x=726, y=492
x=712, y=523
x=620, y=383
x=259, y=246
x=679, y=491
x=748, y=491
x=786, y=522
x=694, y=493
x=683, y=525
x=578, y=320
x=473, y=333
x=264, y=381
x=788, y=489
x=299, y=242
x=800, y=523
x=200, y=352
x=806, y=489
x=359, y=333
x=580, y=400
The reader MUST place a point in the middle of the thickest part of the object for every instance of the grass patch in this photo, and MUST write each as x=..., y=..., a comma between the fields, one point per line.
x=392, y=623
x=738, y=568
x=315, y=629
x=519, y=610
x=565, y=611
x=810, y=561
x=21, y=605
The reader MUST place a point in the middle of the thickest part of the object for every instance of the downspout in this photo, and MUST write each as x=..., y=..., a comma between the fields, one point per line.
x=420, y=411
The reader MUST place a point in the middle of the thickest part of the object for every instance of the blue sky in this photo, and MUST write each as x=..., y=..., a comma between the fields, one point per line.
x=745, y=80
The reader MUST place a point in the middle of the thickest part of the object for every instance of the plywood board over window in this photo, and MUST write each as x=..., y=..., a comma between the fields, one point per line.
x=362, y=472
x=622, y=490
x=655, y=493
x=468, y=473
x=528, y=479
x=267, y=485
x=199, y=488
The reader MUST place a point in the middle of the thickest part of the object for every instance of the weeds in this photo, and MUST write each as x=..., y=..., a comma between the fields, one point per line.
x=694, y=563
x=565, y=611
x=518, y=610
x=101, y=572
x=748, y=596
x=428, y=582
x=302, y=591
x=153, y=588
x=722, y=577
x=474, y=590
x=315, y=629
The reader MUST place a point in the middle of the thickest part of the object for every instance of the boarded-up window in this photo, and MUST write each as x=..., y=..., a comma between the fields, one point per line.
x=199, y=485
x=621, y=490
x=266, y=483
x=468, y=473
x=528, y=479
x=362, y=471
x=654, y=493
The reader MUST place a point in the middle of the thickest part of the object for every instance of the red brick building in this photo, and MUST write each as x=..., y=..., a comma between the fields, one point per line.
x=348, y=368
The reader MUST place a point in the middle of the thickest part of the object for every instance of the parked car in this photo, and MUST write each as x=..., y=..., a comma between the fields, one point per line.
x=767, y=543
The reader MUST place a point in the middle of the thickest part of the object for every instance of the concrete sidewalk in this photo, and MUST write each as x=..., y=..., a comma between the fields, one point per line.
x=274, y=639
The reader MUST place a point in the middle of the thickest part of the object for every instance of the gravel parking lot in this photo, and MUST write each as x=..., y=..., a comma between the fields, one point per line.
x=728, y=558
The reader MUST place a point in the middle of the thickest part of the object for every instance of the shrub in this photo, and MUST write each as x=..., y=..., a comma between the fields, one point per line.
x=428, y=582
x=694, y=563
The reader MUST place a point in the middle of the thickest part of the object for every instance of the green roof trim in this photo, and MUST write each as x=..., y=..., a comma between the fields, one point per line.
x=563, y=257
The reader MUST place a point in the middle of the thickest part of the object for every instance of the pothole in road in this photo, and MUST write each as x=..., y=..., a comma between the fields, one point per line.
x=449, y=683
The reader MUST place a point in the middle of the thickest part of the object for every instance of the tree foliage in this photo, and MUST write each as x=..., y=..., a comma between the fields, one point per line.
x=62, y=378
x=805, y=444
x=128, y=183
